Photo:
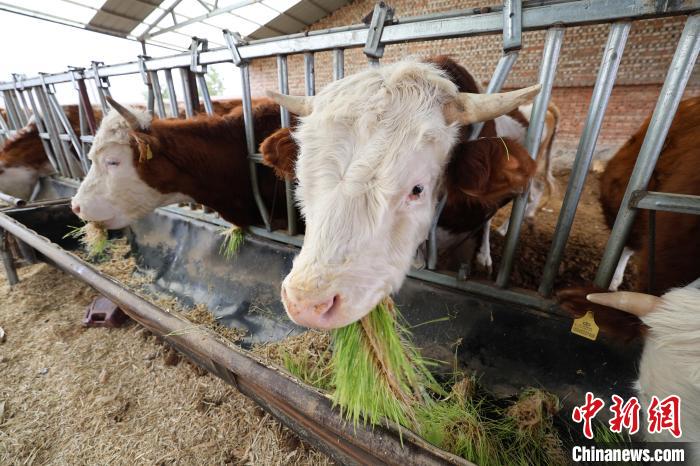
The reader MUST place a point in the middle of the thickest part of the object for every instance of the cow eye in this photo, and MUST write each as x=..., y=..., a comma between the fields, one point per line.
x=112, y=163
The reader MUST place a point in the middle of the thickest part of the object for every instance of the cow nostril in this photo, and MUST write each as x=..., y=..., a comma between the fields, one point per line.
x=76, y=208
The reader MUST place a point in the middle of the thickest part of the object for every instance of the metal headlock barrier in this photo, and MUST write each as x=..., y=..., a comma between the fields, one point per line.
x=67, y=152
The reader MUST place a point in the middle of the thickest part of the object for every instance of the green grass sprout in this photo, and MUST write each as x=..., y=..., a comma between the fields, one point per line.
x=233, y=240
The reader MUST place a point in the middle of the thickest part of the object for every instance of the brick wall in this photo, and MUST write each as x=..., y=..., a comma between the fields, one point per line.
x=649, y=50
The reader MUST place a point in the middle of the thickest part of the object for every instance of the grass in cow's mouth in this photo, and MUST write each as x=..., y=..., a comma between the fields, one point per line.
x=93, y=236
x=375, y=375
x=233, y=239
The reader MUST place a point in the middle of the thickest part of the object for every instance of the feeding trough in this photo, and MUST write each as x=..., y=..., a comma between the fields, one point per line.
x=512, y=338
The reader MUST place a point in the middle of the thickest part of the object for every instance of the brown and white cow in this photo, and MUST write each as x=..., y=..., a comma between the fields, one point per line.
x=373, y=153
x=140, y=163
x=677, y=171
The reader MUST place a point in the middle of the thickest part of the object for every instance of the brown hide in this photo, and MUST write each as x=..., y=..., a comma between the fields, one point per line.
x=481, y=177
x=677, y=171
x=206, y=158
x=618, y=324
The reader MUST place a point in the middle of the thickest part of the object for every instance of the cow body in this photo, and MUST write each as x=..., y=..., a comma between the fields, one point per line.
x=374, y=151
x=677, y=171
x=163, y=161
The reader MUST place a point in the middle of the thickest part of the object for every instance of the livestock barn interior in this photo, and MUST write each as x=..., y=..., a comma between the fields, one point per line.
x=160, y=336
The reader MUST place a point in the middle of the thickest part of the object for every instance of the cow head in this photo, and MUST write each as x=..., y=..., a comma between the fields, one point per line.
x=372, y=153
x=113, y=193
x=22, y=162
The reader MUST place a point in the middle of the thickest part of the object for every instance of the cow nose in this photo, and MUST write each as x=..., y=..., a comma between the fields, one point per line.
x=76, y=208
x=306, y=309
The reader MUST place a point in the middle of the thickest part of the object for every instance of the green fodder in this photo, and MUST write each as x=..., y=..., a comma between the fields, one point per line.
x=93, y=236
x=377, y=373
x=232, y=242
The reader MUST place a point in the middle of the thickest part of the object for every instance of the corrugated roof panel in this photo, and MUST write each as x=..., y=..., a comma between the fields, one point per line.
x=122, y=16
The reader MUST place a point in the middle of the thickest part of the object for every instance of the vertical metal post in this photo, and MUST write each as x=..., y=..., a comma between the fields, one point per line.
x=432, y=236
x=612, y=55
x=190, y=88
x=500, y=74
x=101, y=84
x=79, y=172
x=22, y=101
x=283, y=81
x=7, y=261
x=676, y=79
x=512, y=24
x=171, y=92
x=548, y=68
x=143, y=70
x=157, y=93
x=200, y=71
x=60, y=148
x=12, y=116
x=42, y=129
x=338, y=64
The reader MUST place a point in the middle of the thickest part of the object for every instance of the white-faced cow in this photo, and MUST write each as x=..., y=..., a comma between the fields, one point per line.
x=373, y=152
x=140, y=163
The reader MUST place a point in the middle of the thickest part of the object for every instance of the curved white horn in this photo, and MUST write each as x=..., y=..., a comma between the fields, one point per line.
x=639, y=304
x=295, y=104
x=472, y=108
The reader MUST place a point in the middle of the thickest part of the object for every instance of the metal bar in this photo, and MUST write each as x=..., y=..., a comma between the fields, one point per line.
x=40, y=127
x=512, y=24
x=612, y=55
x=52, y=130
x=190, y=89
x=678, y=74
x=21, y=119
x=10, y=109
x=158, y=94
x=306, y=411
x=432, y=236
x=150, y=99
x=15, y=201
x=652, y=252
x=86, y=106
x=101, y=85
x=500, y=74
x=309, y=74
x=171, y=92
x=68, y=128
x=338, y=64
x=548, y=67
x=204, y=91
x=283, y=82
x=250, y=144
x=667, y=202
x=466, y=24
x=7, y=262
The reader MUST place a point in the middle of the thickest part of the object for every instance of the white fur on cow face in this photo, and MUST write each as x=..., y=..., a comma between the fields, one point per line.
x=371, y=138
x=670, y=363
x=112, y=193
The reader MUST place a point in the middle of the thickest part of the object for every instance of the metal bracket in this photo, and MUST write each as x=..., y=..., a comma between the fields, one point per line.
x=383, y=14
x=48, y=88
x=104, y=313
x=233, y=41
x=195, y=67
x=143, y=70
x=18, y=79
x=512, y=25
x=80, y=71
x=102, y=82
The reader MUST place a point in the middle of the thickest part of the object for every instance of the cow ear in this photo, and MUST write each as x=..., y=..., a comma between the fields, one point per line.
x=146, y=145
x=279, y=151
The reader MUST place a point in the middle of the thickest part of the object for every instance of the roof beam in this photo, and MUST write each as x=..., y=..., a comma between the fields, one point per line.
x=147, y=35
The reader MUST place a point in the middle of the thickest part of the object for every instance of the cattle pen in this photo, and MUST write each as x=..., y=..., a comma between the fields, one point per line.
x=513, y=336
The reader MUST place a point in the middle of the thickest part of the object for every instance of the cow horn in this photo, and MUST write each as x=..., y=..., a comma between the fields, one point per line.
x=125, y=113
x=472, y=108
x=297, y=105
x=639, y=304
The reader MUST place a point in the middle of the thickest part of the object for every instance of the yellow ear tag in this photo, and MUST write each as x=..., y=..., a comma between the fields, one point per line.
x=146, y=154
x=585, y=326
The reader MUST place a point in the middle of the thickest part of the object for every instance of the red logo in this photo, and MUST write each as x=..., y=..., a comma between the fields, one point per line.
x=665, y=415
x=587, y=412
x=624, y=415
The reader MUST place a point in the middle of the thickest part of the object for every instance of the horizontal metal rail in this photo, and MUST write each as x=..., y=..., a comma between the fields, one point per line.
x=534, y=17
x=679, y=203
x=304, y=410
x=15, y=201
